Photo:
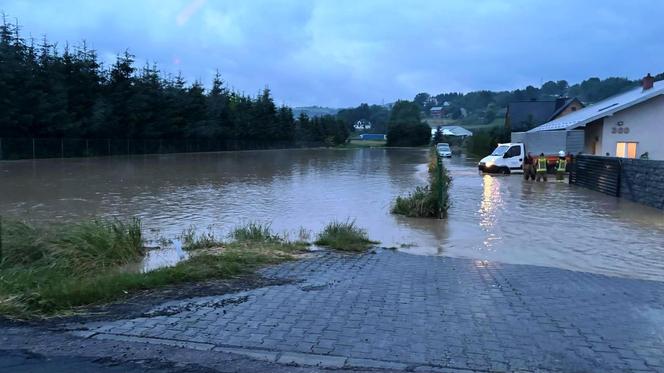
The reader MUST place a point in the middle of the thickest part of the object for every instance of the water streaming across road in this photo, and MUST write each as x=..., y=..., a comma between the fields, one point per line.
x=497, y=218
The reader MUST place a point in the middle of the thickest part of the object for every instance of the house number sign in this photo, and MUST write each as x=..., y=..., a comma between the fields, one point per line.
x=619, y=129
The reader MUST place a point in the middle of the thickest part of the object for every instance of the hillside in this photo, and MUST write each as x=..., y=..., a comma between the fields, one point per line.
x=314, y=111
x=473, y=109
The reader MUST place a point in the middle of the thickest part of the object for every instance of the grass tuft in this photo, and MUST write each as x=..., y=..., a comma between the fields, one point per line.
x=53, y=270
x=191, y=241
x=344, y=236
x=431, y=200
x=83, y=247
x=254, y=232
x=419, y=203
x=41, y=264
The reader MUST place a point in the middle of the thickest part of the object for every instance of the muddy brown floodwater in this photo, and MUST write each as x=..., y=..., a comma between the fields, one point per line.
x=496, y=218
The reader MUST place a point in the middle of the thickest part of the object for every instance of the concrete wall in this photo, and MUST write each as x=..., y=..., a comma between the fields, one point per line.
x=643, y=181
x=646, y=127
x=550, y=142
x=574, y=143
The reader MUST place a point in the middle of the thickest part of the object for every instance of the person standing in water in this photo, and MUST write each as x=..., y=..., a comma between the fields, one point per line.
x=541, y=168
x=561, y=166
x=528, y=168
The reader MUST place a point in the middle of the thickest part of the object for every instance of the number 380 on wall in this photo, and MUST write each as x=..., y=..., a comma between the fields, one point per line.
x=620, y=130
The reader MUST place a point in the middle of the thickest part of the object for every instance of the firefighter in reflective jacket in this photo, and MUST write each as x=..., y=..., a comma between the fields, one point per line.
x=561, y=165
x=541, y=167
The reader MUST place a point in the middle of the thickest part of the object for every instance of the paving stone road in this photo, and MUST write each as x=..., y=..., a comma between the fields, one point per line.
x=400, y=311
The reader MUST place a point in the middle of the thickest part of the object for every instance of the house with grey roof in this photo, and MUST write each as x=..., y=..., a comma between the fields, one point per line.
x=452, y=131
x=524, y=115
x=629, y=125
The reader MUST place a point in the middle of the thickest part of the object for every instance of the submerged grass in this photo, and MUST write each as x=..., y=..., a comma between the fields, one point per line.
x=53, y=270
x=43, y=268
x=191, y=241
x=431, y=200
x=419, y=203
x=344, y=236
x=254, y=232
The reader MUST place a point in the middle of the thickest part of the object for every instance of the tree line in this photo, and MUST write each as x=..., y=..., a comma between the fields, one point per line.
x=46, y=91
x=485, y=104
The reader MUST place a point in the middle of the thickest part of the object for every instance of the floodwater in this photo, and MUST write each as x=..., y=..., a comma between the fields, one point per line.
x=495, y=218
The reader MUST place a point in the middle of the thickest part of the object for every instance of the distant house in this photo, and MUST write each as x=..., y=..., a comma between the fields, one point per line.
x=524, y=115
x=436, y=112
x=452, y=131
x=362, y=125
x=627, y=125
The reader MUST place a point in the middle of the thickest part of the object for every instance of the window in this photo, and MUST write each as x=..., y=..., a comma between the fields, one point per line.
x=626, y=149
x=513, y=152
x=500, y=150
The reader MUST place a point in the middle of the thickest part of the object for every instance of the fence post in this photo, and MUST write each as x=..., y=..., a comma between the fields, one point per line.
x=33, y=148
x=108, y=143
x=62, y=147
x=87, y=148
x=0, y=148
x=620, y=171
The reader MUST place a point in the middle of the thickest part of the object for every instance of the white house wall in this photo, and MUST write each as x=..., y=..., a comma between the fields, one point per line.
x=646, y=127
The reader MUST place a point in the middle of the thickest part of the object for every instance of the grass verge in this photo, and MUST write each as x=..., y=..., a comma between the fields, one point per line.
x=344, y=236
x=53, y=270
x=431, y=201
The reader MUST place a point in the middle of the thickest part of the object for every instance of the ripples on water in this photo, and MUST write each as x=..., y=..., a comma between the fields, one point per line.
x=500, y=218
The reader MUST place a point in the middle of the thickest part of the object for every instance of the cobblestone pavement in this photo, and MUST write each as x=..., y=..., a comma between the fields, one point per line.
x=401, y=311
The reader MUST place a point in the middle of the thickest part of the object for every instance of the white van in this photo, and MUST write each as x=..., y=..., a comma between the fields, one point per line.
x=506, y=158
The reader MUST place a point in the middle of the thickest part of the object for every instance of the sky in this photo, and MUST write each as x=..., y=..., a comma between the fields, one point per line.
x=341, y=53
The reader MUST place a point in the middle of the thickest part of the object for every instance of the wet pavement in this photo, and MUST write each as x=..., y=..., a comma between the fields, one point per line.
x=25, y=362
x=392, y=310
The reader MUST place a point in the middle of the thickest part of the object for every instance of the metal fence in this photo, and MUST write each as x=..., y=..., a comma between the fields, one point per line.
x=33, y=148
x=597, y=173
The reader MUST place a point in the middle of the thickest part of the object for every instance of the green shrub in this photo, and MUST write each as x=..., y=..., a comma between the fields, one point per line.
x=430, y=201
x=344, y=236
x=484, y=141
x=419, y=203
x=254, y=232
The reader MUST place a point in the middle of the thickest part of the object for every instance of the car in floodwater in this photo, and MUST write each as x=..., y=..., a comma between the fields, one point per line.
x=443, y=149
x=509, y=158
x=506, y=158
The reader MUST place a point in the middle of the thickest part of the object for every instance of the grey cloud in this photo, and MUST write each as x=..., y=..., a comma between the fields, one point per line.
x=344, y=52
